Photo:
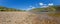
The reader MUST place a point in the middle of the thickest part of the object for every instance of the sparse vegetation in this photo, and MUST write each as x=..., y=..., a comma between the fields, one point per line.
x=2, y=8
x=54, y=9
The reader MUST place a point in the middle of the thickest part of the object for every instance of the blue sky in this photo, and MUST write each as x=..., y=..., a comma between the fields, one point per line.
x=26, y=4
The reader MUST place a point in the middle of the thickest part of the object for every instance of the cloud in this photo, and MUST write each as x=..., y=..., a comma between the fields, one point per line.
x=41, y=4
x=31, y=7
x=44, y=6
x=50, y=4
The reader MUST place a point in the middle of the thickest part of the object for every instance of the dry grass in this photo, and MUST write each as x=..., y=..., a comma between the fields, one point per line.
x=54, y=14
x=26, y=18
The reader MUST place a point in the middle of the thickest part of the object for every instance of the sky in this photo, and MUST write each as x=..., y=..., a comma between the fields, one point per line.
x=28, y=4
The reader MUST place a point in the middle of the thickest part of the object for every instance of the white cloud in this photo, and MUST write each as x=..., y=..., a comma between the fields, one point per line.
x=50, y=4
x=41, y=4
x=44, y=6
x=31, y=7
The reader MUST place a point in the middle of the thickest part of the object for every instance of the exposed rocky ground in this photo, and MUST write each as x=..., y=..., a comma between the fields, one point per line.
x=27, y=18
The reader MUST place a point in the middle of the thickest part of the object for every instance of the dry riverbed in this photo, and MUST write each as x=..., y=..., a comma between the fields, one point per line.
x=27, y=18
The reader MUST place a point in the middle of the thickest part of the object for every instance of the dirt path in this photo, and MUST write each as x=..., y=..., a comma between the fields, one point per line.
x=26, y=18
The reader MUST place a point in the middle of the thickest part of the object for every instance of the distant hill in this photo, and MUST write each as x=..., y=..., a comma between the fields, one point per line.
x=51, y=10
x=8, y=9
x=47, y=9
